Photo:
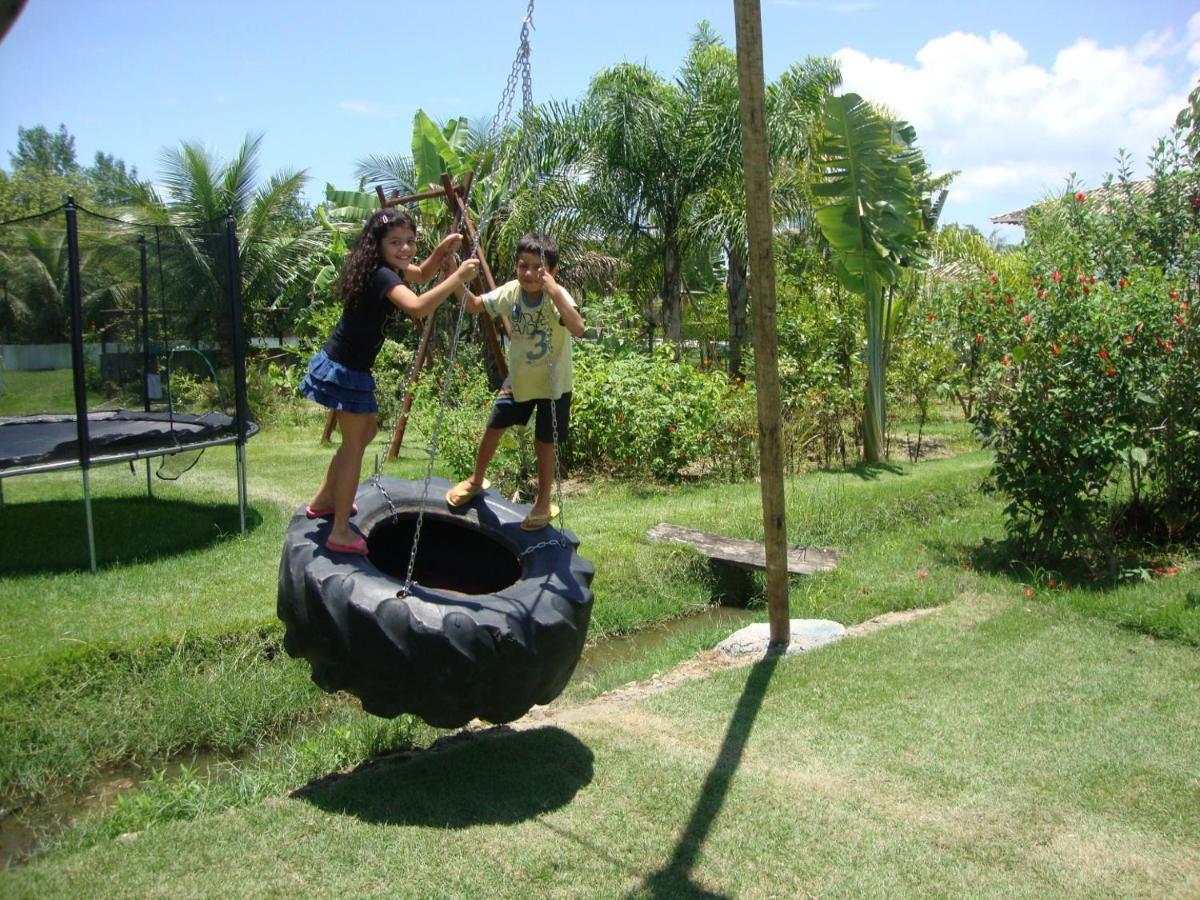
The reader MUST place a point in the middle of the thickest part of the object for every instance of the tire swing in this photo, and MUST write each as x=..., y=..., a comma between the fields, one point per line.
x=494, y=625
x=486, y=622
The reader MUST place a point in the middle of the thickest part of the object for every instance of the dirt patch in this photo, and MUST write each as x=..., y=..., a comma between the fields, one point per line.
x=887, y=620
x=699, y=666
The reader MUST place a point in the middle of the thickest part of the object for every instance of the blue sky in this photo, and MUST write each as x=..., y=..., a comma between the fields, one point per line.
x=1016, y=95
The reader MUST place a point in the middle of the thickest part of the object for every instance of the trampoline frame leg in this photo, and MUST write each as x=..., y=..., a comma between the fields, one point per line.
x=91, y=532
x=241, y=479
x=149, y=480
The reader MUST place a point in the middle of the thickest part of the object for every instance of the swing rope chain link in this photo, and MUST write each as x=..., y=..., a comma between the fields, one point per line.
x=406, y=588
x=520, y=68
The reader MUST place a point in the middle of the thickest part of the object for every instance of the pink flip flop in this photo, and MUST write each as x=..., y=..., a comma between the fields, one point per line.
x=358, y=548
x=326, y=511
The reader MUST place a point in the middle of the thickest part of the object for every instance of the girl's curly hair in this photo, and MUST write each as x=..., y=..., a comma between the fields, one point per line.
x=365, y=257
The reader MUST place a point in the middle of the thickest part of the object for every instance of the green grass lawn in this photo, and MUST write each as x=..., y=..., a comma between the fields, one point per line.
x=995, y=749
x=926, y=755
x=33, y=393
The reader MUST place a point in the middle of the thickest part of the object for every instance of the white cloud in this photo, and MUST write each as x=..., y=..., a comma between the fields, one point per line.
x=1016, y=128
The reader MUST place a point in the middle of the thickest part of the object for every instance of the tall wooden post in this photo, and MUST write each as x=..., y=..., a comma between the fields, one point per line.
x=751, y=92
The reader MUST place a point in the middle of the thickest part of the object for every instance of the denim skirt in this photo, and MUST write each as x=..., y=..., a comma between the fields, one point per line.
x=337, y=387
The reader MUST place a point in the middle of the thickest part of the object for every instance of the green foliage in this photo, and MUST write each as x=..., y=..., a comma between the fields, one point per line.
x=1092, y=401
x=872, y=223
x=645, y=415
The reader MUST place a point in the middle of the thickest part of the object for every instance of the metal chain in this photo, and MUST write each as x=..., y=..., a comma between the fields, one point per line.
x=504, y=107
x=520, y=68
x=527, y=110
x=406, y=588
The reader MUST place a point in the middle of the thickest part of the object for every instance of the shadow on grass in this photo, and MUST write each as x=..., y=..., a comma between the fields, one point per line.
x=871, y=471
x=1006, y=559
x=498, y=778
x=674, y=880
x=51, y=536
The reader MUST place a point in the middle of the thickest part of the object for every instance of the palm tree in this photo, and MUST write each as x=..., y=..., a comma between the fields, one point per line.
x=793, y=109
x=646, y=156
x=276, y=238
x=36, y=268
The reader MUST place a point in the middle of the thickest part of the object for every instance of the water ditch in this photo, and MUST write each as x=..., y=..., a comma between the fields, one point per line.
x=23, y=829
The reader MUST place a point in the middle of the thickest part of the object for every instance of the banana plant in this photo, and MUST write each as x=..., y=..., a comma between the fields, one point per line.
x=872, y=222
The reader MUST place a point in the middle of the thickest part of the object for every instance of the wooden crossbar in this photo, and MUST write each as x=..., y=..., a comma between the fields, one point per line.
x=801, y=560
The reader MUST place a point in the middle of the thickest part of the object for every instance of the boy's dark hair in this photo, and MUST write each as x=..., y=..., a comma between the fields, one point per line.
x=539, y=245
x=364, y=258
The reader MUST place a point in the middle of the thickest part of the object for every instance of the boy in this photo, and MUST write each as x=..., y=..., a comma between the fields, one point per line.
x=543, y=317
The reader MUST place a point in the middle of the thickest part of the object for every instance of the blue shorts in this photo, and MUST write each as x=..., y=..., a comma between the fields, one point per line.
x=507, y=412
x=337, y=387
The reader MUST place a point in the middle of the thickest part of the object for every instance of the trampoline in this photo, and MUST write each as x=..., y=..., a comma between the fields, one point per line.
x=30, y=444
x=120, y=341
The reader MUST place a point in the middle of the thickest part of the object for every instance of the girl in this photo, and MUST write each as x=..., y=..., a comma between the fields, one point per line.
x=373, y=284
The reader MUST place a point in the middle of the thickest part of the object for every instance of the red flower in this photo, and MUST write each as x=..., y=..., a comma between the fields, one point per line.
x=1104, y=354
x=1027, y=318
x=1174, y=295
x=1111, y=372
x=1179, y=321
x=1129, y=338
x=979, y=338
x=1121, y=282
x=992, y=279
x=921, y=573
x=1041, y=293
x=930, y=317
x=1054, y=347
x=1028, y=593
x=1172, y=570
x=1057, y=277
x=1004, y=362
x=1080, y=196
x=1167, y=345
x=1086, y=289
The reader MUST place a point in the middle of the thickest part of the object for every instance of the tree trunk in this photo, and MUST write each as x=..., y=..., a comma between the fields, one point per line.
x=874, y=413
x=736, y=293
x=671, y=286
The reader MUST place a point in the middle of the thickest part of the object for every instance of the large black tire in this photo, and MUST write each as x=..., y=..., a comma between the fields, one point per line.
x=446, y=656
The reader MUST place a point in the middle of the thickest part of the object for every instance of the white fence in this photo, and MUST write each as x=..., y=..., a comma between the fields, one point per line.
x=40, y=357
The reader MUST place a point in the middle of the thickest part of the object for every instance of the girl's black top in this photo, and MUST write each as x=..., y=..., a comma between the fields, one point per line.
x=358, y=335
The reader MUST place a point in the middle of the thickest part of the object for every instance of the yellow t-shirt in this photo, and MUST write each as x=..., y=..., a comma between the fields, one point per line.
x=539, y=356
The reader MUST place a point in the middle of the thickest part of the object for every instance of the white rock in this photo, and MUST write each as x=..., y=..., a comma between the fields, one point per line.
x=806, y=634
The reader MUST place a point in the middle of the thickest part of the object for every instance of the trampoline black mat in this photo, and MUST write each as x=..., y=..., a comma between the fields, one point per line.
x=30, y=440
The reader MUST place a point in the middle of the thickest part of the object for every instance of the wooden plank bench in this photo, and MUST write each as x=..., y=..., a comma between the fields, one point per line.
x=746, y=554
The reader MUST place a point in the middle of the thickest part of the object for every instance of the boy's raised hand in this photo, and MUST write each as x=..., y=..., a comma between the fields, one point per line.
x=548, y=282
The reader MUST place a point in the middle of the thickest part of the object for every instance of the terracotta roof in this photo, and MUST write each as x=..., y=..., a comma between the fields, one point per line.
x=1101, y=195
